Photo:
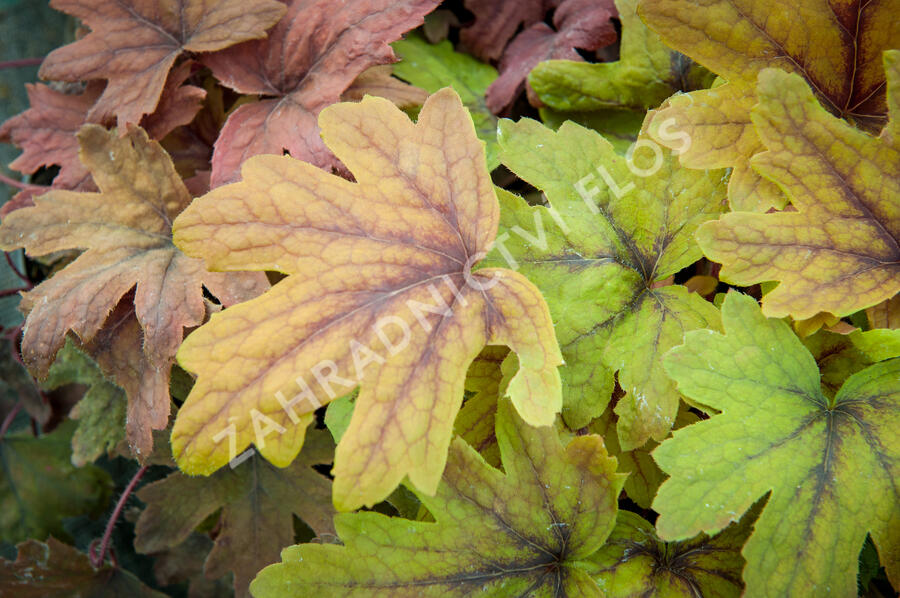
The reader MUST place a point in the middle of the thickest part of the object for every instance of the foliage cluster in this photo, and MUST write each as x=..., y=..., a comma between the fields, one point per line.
x=411, y=298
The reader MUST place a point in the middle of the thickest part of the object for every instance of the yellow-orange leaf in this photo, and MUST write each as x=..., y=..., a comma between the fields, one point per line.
x=380, y=294
x=840, y=251
x=835, y=46
x=126, y=232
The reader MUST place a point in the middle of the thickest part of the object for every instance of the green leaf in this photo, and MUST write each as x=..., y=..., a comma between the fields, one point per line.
x=100, y=412
x=40, y=486
x=636, y=563
x=523, y=532
x=619, y=127
x=595, y=253
x=435, y=66
x=647, y=73
x=878, y=344
x=57, y=570
x=487, y=379
x=338, y=414
x=831, y=466
x=644, y=476
x=257, y=501
x=837, y=358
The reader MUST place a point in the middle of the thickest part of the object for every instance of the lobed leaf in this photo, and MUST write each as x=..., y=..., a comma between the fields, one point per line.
x=256, y=501
x=835, y=46
x=607, y=236
x=46, y=132
x=829, y=465
x=634, y=562
x=840, y=251
x=379, y=293
x=523, y=532
x=308, y=60
x=125, y=230
x=134, y=43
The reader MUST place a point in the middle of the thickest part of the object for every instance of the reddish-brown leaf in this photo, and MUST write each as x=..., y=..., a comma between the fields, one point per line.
x=255, y=502
x=496, y=22
x=134, y=43
x=581, y=24
x=178, y=105
x=46, y=133
x=54, y=569
x=308, y=60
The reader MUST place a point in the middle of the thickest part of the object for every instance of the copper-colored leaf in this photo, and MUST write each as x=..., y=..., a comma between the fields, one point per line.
x=134, y=43
x=126, y=232
x=496, y=22
x=380, y=293
x=178, y=104
x=46, y=133
x=308, y=60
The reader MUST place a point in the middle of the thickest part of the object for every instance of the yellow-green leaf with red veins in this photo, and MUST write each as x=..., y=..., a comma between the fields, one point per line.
x=379, y=293
x=828, y=465
x=125, y=230
x=835, y=46
x=635, y=563
x=614, y=228
x=528, y=530
x=134, y=43
x=840, y=252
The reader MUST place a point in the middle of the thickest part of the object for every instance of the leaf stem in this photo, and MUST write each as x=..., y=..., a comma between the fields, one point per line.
x=18, y=272
x=21, y=62
x=10, y=292
x=20, y=185
x=12, y=334
x=97, y=559
x=7, y=421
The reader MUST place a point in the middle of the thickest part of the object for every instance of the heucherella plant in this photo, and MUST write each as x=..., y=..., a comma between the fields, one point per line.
x=418, y=298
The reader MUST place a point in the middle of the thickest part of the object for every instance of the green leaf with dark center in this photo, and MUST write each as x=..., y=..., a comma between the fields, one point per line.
x=525, y=532
x=832, y=465
x=635, y=563
x=615, y=227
